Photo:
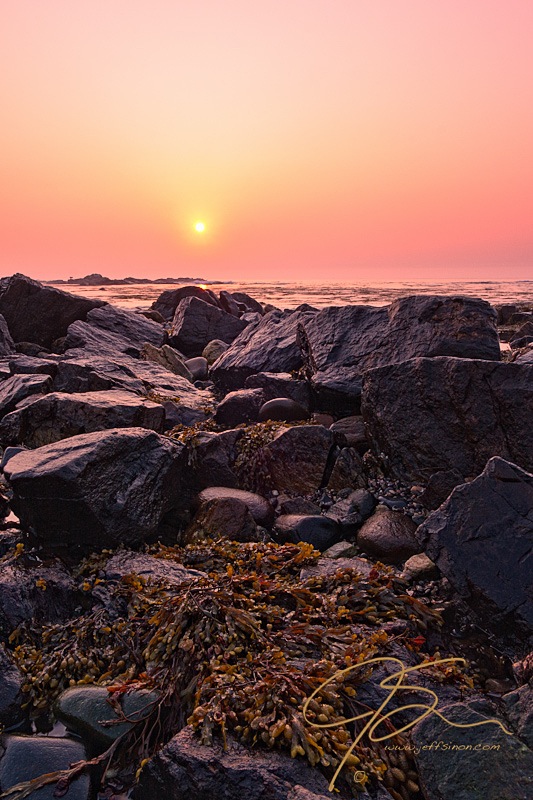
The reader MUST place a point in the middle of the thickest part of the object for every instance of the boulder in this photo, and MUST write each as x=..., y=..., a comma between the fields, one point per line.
x=27, y=757
x=58, y=415
x=523, y=336
x=481, y=539
x=196, y=323
x=298, y=505
x=168, y=301
x=213, y=350
x=222, y=518
x=212, y=458
x=30, y=365
x=389, y=536
x=132, y=326
x=519, y=711
x=505, y=312
x=281, y=384
x=248, y=302
x=17, y=388
x=260, y=509
x=198, y=367
x=7, y=345
x=282, y=409
x=167, y=357
x=339, y=344
x=229, y=304
x=297, y=458
x=269, y=345
x=11, y=697
x=347, y=472
x=354, y=431
x=238, y=407
x=37, y=313
x=150, y=568
x=352, y=510
x=84, y=339
x=418, y=566
x=125, y=485
x=321, y=532
x=430, y=415
x=186, y=770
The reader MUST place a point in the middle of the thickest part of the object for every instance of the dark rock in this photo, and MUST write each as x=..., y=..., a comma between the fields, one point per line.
x=168, y=301
x=229, y=304
x=438, y=414
x=134, y=327
x=519, y=711
x=266, y=346
x=101, y=489
x=321, y=532
x=37, y=313
x=353, y=429
x=505, y=312
x=198, y=368
x=260, y=509
x=478, y=763
x=83, y=709
x=523, y=336
x=300, y=506
x=178, y=414
x=31, y=349
x=150, y=568
x=167, y=357
x=524, y=356
x=340, y=343
x=17, y=388
x=239, y=407
x=212, y=458
x=439, y=487
x=481, y=539
x=154, y=315
x=298, y=457
x=281, y=384
x=187, y=770
x=352, y=510
x=282, y=409
x=7, y=345
x=222, y=518
x=29, y=365
x=27, y=757
x=248, y=302
x=347, y=471
x=196, y=323
x=11, y=696
x=83, y=339
x=389, y=536
x=213, y=350
x=520, y=317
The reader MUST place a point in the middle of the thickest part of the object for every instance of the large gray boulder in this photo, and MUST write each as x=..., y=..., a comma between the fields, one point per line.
x=17, y=388
x=136, y=328
x=269, y=345
x=431, y=415
x=169, y=300
x=38, y=313
x=7, y=345
x=297, y=458
x=58, y=415
x=340, y=343
x=196, y=323
x=101, y=489
x=481, y=539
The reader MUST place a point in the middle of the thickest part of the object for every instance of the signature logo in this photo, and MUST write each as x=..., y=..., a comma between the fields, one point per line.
x=394, y=683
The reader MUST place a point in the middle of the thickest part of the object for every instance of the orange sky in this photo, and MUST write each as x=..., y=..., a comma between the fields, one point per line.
x=317, y=139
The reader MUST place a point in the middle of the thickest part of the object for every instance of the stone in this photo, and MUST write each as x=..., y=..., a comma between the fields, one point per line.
x=186, y=770
x=523, y=336
x=229, y=304
x=472, y=763
x=222, y=518
x=269, y=345
x=27, y=757
x=239, y=407
x=83, y=709
x=167, y=357
x=96, y=490
x=323, y=567
x=321, y=532
x=84, y=339
x=439, y=414
x=196, y=323
x=150, y=568
x=19, y=387
x=168, y=301
x=11, y=697
x=58, y=415
x=260, y=509
x=352, y=510
x=213, y=350
x=248, y=302
x=389, y=536
x=212, y=458
x=198, y=368
x=439, y=487
x=347, y=471
x=342, y=549
x=354, y=431
x=481, y=539
x=298, y=458
x=339, y=344
x=505, y=312
x=299, y=505
x=37, y=313
x=518, y=706
x=30, y=365
x=281, y=384
x=132, y=326
x=282, y=409
x=418, y=566
x=7, y=345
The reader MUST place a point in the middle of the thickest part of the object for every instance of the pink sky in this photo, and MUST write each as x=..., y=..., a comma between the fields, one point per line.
x=317, y=139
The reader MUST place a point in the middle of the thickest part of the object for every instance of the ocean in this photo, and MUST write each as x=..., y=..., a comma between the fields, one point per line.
x=320, y=294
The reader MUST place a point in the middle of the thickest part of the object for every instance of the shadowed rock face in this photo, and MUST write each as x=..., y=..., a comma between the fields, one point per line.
x=196, y=323
x=7, y=345
x=428, y=415
x=481, y=539
x=168, y=301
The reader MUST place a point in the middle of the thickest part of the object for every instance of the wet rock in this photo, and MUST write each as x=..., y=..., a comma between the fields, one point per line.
x=101, y=489
x=481, y=539
x=340, y=343
x=37, y=313
x=213, y=350
x=347, y=471
x=418, y=566
x=27, y=757
x=17, y=388
x=260, y=509
x=58, y=415
x=238, y=407
x=212, y=458
x=187, y=770
x=222, y=518
x=196, y=323
x=275, y=385
x=321, y=532
x=298, y=457
x=198, y=368
x=167, y=357
x=168, y=301
x=83, y=709
x=268, y=345
x=487, y=764
x=7, y=345
x=439, y=414
x=11, y=696
x=282, y=409
x=389, y=536
x=353, y=429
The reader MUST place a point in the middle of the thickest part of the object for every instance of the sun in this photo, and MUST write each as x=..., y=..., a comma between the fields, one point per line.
x=199, y=226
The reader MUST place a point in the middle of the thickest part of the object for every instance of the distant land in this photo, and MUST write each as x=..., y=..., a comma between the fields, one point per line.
x=95, y=279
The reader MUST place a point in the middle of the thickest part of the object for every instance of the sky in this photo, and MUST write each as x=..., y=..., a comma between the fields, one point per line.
x=335, y=140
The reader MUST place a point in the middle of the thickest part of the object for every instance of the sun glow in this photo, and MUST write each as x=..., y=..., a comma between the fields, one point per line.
x=199, y=226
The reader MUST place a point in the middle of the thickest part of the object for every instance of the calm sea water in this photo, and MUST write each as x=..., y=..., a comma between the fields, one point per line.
x=290, y=295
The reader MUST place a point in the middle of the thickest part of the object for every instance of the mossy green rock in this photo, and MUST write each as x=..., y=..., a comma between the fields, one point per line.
x=85, y=709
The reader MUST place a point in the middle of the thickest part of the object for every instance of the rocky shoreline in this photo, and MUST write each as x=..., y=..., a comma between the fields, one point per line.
x=212, y=507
